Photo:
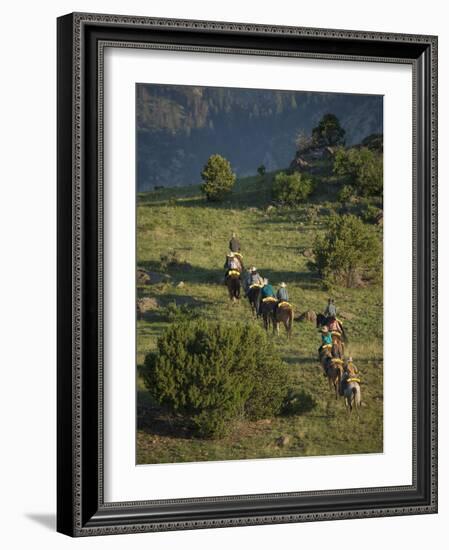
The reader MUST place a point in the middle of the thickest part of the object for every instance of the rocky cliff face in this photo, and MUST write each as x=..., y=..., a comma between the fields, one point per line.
x=179, y=127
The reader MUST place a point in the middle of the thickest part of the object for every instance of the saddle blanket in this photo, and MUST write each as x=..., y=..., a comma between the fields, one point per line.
x=255, y=285
x=285, y=304
x=269, y=299
x=233, y=273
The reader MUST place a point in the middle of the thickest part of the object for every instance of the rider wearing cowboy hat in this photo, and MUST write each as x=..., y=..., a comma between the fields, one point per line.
x=282, y=294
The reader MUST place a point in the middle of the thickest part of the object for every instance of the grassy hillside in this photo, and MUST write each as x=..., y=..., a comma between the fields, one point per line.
x=179, y=220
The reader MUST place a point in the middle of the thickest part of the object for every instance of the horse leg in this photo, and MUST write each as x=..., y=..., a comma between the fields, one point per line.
x=230, y=291
x=351, y=397
x=288, y=325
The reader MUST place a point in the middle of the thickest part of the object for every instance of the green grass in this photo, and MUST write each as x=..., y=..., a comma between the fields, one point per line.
x=273, y=239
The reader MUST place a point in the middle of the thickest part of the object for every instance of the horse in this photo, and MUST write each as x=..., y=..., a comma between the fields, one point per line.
x=350, y=388
x=283, y=314
x=321, y=320
x=333, y=371
x=254, y=298
x=337, y=346
x=233, y=283
x=267, y=310
x=352, y=395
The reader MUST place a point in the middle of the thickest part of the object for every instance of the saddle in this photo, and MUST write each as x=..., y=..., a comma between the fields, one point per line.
x=336, y=360
x=352, y=380
x=326, y=346
x=285, y=304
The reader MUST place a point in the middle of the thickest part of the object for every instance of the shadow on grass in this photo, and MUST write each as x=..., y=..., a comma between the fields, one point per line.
x=173, y=305
x=197, y=274
x=185, y=272
x=154, y=420
x=298, y=403
x=252, y=191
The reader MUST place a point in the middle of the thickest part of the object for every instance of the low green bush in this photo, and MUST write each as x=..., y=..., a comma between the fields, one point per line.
x=293, y=188
x=348, y=253
x=214, y=373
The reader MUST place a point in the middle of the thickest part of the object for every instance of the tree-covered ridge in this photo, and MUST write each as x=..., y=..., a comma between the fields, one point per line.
x=179, y=127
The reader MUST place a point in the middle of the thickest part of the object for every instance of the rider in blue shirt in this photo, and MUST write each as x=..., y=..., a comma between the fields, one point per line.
x=267, y=290
x=282, y=294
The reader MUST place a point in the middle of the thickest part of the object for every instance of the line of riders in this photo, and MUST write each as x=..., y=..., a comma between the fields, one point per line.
x=342, y=374
x=275, y=308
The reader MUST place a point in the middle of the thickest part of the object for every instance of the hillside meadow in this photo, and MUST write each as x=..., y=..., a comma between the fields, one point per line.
x=185, y=238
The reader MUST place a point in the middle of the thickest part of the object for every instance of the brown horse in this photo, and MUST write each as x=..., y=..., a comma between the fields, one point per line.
x=234, y=285
x=338, y=348
x=284, y=314
x=267, y=310
x=333, y=370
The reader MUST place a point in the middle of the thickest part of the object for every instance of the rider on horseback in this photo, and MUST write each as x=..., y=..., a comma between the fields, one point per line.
x=232, y=262
x=234, y=246
x=267, y=290
x=255, y=278
x=232, y=265
x=282, y=294
x=326, y=339
x=349, y=375
x=334, y=324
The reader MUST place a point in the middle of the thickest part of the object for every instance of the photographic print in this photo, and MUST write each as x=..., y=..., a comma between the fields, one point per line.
x=259, y=276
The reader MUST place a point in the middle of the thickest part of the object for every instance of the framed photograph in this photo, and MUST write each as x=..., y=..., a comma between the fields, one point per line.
x=247, y=279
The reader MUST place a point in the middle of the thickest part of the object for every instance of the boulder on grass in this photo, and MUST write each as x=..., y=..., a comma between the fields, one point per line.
x=307, y=316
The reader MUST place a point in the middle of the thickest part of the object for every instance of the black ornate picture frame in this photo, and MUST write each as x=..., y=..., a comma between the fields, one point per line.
x=81, y=509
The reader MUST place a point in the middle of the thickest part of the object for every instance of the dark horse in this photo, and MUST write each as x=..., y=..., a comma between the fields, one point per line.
x=267, y=310
x=233, y=284
x=254, y=299
x=321, y=320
